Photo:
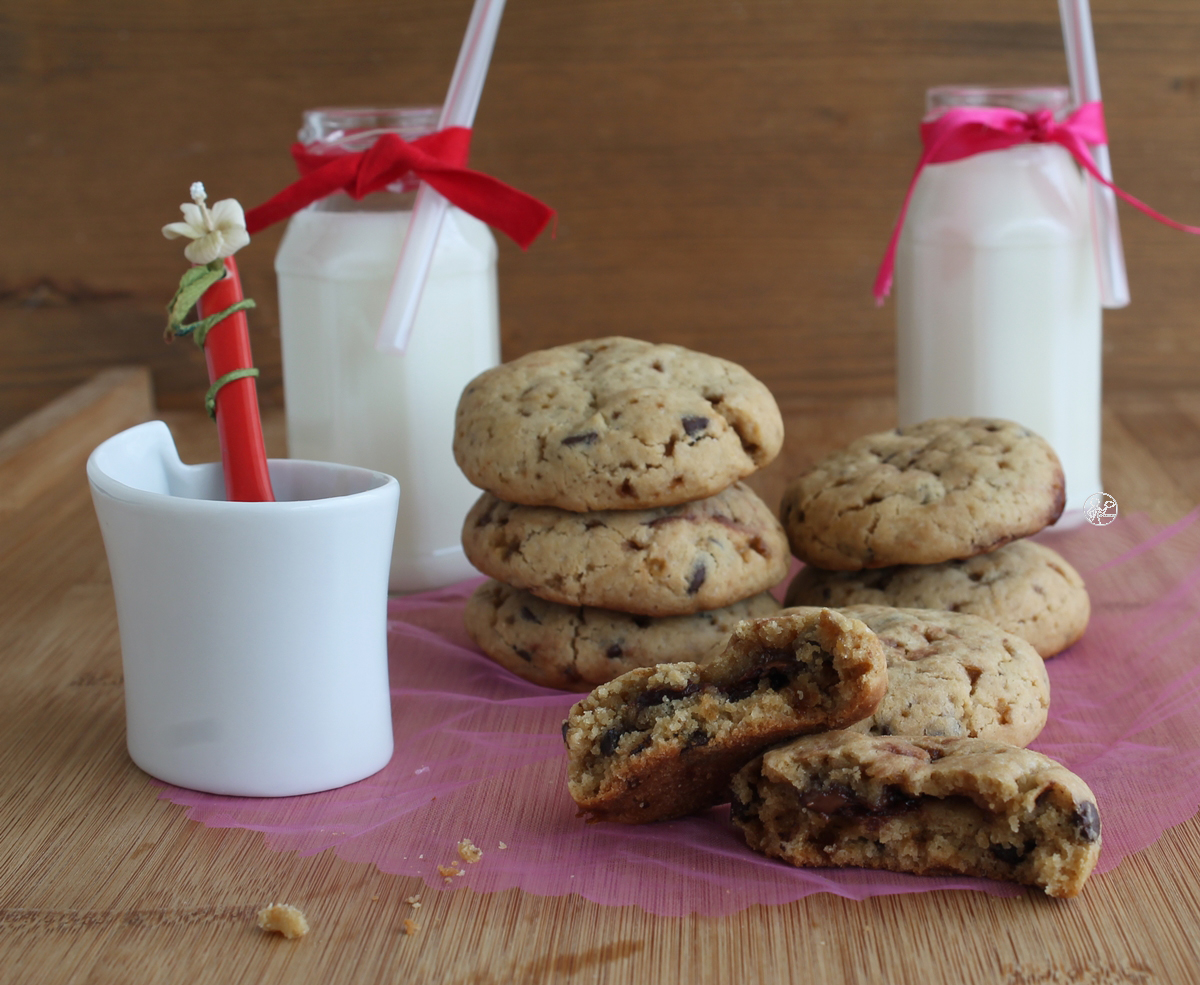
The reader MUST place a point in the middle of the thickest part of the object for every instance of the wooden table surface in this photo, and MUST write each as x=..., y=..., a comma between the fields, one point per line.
x=100, y=881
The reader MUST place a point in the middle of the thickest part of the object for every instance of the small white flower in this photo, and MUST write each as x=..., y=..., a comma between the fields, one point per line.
x=215, y=233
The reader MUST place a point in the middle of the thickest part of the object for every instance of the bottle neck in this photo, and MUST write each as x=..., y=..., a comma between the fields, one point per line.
x=351, y=130
x=1026, y=99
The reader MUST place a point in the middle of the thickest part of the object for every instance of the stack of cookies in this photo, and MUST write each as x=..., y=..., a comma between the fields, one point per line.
x=934, y=516
x=927, y=773
x=614, y=527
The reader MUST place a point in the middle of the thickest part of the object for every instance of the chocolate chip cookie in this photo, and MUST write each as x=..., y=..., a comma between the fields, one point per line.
x=947, y=488
x=956, y=675
x=577, y=647
x=614, y=424
x=921, y=805
x=674, y=560
x=664, y=741
x=1023, y=587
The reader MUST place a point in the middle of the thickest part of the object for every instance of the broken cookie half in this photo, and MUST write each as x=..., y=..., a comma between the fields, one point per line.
x=661, y=742
x=925, y=805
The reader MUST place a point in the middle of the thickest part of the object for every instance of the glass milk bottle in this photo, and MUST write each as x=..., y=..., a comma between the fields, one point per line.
x=997, y=303
x=393, y=413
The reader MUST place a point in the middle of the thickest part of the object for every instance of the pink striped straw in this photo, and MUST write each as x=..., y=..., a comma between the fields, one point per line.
x=1076, y=18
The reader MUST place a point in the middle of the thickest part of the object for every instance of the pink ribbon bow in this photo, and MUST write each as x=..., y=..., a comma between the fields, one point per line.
x=965, y=131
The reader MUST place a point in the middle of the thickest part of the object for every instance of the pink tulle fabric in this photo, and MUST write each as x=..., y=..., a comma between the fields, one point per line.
x=479, y=755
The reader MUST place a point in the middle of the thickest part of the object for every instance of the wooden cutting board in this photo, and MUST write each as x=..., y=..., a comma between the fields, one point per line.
x=102, y=882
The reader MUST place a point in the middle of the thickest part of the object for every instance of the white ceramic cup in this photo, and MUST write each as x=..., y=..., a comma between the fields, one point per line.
x=253, y=635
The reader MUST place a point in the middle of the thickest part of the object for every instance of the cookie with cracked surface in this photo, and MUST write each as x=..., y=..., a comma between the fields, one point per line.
x=956, y=675
x=942, y=489
x=662, y=742
x=928, y=806
x=669, y=561
x=614, y=424
x=577, y=647
x=1023, y=587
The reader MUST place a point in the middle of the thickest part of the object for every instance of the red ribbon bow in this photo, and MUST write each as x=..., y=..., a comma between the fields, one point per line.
x=964, y=131
x=439, y=159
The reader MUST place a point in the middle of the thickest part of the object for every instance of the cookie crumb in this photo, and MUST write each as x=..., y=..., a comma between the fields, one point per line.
x=502, y=845
x=448, y=872
x=283, y=918
x=414, y=902
x=468, y=851
x=410, y=927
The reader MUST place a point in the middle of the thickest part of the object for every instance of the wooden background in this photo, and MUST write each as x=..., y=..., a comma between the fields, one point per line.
x=725, y=173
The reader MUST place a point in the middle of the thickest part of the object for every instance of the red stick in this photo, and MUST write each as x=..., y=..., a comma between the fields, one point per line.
x=227, y=347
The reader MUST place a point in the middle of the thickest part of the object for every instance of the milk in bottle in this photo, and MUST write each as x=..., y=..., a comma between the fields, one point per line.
x=393, y=413
x=997, y=303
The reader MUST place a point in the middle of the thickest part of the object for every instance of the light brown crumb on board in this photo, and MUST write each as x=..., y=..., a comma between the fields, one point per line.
x=468, y=851
x=414, y=902
x=410, y=927
x=283, y=918
x=448, y=872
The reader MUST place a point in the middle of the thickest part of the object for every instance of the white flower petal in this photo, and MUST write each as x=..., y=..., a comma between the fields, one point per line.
x=173, y=230
x=193, y=217
x=206, y=249
x=228, y=213
x=235, y=239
